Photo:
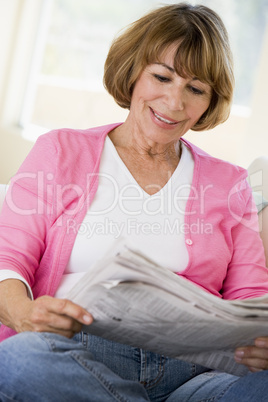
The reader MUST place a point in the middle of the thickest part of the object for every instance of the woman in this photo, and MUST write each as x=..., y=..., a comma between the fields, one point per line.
x=173, y=70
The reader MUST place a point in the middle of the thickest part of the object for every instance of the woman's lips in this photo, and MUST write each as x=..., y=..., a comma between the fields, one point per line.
x=163, y=118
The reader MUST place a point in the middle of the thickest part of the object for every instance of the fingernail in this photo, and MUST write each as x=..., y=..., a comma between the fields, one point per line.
x=87, y=319
x=260, y=344
x=239, y=355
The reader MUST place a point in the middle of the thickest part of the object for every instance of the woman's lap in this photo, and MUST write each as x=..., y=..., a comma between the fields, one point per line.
x=50, y=367
x=223, y=387
x=159, y=375
x=47, y=367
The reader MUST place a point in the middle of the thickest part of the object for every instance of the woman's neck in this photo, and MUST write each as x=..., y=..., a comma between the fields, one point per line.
x=126, y=139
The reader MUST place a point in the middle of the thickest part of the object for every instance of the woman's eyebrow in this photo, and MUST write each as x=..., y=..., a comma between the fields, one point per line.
x=171, y=69
x=166, y=66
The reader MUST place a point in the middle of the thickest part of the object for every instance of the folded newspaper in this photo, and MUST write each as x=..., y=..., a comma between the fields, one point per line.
x=137, y=302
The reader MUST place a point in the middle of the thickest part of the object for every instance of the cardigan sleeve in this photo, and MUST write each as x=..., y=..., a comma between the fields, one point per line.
x=247, y=275
x=26, y=214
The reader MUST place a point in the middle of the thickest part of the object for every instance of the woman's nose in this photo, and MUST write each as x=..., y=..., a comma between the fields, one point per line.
x=177, y=98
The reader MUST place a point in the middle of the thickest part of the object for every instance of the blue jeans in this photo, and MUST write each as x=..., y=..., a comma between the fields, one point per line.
x=47, y=368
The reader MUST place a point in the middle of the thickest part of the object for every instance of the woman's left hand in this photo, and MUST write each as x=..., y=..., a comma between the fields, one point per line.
x=254, y=357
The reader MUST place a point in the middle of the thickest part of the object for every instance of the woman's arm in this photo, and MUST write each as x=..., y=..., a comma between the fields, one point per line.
x=256, y=357
x=263, y=224
x=45, y=314
x=247, y=275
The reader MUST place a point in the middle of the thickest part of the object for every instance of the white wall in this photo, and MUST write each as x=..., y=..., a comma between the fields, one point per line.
x=18, y=24
x=255, y=139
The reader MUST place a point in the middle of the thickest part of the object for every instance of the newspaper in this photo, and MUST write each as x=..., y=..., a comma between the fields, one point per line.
x=136, y=302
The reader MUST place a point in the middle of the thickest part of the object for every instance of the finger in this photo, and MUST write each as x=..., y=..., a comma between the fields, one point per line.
x=41, y=320
x=55, y=315
x=58, y=324
x=262, y=342
x=66, y=308
x=69, y=333
x=60, y=331
x=254, y=369
x=63, y=322
x=254, y=358
x=256, y=364
x=252, y=352
x=73, y=310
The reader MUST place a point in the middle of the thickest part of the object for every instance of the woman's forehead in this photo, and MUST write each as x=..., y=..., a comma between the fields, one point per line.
x=169, y=53
x=170, y=59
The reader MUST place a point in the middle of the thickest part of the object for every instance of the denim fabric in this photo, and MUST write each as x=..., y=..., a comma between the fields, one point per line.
x=47, y=367
x=159, y=375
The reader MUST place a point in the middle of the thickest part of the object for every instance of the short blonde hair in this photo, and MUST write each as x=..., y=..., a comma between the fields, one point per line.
x=203, y=52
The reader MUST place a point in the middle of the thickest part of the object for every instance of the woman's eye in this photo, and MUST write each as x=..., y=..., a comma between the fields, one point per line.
x=161, y=78
x=196, y=91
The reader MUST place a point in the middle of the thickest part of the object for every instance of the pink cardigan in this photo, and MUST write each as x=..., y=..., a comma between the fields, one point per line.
x=55, y=185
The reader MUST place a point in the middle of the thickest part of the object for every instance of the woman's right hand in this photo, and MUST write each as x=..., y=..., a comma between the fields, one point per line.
x=45, y=314
x=48, y=314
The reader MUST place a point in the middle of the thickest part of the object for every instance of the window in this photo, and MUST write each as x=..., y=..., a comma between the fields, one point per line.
x=65, y=86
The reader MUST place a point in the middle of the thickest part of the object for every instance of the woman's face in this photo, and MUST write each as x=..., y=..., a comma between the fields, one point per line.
x=164, y=106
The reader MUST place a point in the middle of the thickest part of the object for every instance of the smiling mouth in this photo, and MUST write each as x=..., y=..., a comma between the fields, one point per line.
x=160, y=118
